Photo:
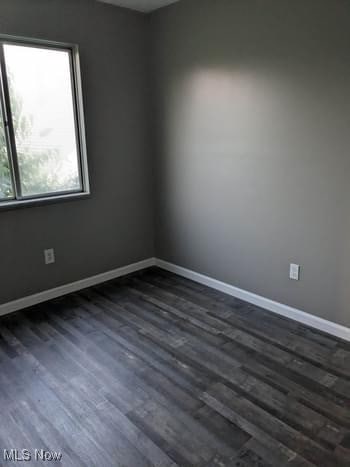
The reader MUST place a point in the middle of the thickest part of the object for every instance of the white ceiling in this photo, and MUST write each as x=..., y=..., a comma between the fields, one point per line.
x=140, y=5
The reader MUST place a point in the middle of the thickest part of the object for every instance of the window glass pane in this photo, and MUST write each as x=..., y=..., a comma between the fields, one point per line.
x=43, y=117
x=6, y=190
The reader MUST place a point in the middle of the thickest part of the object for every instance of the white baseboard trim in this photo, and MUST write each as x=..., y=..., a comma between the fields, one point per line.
x=270, y=305
x=74, y=286
x=284, y=310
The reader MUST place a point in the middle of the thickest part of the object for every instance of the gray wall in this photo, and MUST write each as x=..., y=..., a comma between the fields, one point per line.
x=251, y=138
x=253, y=125
x=115, y=226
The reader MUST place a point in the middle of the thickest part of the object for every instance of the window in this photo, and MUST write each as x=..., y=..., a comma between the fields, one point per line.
x=42, y=143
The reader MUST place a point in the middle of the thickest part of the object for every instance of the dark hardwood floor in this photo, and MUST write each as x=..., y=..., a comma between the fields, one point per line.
x=155, y=370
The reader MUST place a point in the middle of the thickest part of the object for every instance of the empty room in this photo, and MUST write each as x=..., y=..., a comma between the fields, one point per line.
x=175, y=233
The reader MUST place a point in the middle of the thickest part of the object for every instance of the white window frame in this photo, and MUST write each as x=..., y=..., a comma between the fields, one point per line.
x=18, y=200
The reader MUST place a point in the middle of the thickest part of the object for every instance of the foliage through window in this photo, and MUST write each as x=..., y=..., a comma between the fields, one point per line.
x=40, y=123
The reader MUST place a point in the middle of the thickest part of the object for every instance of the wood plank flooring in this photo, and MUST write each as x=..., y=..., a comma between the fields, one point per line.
x=155, y=370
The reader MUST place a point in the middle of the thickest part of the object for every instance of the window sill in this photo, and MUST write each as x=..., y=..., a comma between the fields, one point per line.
x=34, y=202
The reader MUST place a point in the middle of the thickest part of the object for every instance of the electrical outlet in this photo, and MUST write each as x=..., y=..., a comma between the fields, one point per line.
x=294, y=272
x=49, y=255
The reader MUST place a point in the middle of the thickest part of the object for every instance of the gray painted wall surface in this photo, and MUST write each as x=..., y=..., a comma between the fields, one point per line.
x=253, y=125
x=115, y=226
x=251, y=137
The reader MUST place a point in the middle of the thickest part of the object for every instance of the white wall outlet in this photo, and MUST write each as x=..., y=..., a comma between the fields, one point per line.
x=294, y=272
x=49, y=255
